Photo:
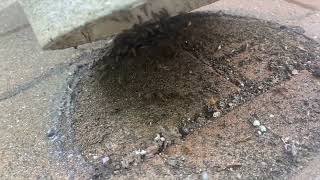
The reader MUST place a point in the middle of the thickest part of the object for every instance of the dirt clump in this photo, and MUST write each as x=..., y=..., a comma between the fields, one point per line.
x=161, y=82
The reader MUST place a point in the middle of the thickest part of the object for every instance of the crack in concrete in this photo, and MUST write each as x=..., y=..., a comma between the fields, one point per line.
x=57, y=69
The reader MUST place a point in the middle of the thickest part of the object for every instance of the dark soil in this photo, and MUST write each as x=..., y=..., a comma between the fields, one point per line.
x=161, y=82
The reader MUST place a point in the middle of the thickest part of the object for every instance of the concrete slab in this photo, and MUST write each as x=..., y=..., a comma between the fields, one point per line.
x=31, y=83
x=12, y=19
x=285, y=12
x=6, y=3
x=66, y=23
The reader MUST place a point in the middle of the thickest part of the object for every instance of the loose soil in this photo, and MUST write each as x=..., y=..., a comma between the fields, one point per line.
x=136, y=108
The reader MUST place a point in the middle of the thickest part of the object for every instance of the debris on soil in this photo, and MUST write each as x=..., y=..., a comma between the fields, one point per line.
x=256, y=123
x=105, y=160
x=216, y=114
x=141, y=152
x=161, y=82
x=290, y=147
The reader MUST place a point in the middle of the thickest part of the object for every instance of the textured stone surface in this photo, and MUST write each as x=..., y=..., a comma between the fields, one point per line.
x=67, y=23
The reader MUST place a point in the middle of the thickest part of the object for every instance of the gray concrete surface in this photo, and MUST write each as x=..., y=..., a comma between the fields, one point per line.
x=32, y=82
x=6, y=3
x=67, y=23
x=289, y=12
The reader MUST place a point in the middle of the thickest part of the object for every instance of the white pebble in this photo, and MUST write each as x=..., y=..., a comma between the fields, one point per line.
x=216, y=114
x=295, y=72
x=263, y=129
x=205, y=176
x=259, y=132
x=162, y=139
x=105, y=160
x=157, y=138
x=256, y=123
x=141, y=152
x=271, y=115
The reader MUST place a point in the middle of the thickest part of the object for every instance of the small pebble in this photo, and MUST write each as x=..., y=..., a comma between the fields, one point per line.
x=141, y=152
x=117, y=167
x=263, y=129
x=259, y=132
x=264, y=164
x=222, y=104
x=216, y=114
x=271, y=115
x=162, y=139
x=157, y=138
x=173, y=162
x=184, y=131
x=294, y=150
x=105, y=160
x=51, y=133
x=256, y=123
x=295, y=72
x=205, y=176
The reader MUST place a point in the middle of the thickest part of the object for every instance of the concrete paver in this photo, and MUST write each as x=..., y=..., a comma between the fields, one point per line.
x=31, y=83
x=24, y=121
x=12, y=19
x=280, y=11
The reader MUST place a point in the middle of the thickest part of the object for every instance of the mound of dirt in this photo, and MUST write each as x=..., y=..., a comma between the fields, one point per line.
x=161, y=82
